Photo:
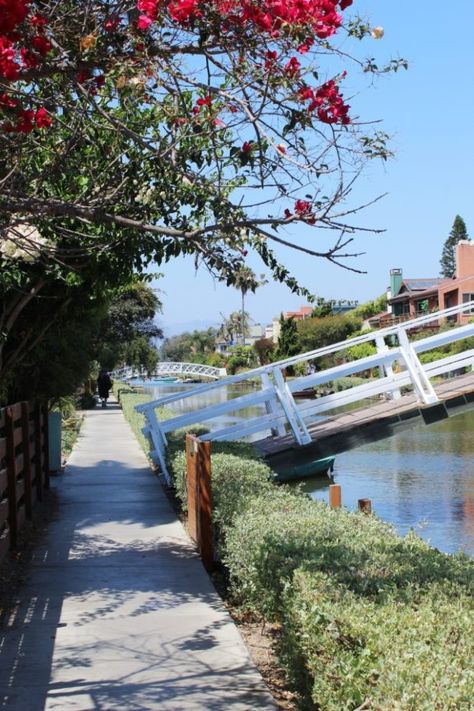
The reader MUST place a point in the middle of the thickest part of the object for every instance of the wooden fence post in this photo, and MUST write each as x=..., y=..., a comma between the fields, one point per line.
x=191, y=486
x=4, y=527
x=25, y=427
x=365, y=505
x=198, y=466
x=45, y=430
x=335, y=496
x=11, y=475
x=38, y=452
x=205, y=505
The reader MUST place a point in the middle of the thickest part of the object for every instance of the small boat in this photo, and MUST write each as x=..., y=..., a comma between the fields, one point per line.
x=307, y=470
x=309, y=393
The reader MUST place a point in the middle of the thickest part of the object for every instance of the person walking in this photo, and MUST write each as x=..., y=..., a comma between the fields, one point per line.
x=104, y=383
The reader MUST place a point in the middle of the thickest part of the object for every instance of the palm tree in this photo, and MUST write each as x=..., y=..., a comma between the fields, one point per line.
x=246, y=280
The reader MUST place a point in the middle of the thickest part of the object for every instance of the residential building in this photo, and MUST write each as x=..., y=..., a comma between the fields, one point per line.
x=409, y=298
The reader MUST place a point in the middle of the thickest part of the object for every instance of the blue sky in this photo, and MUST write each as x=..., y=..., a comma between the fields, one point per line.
x=429, y=113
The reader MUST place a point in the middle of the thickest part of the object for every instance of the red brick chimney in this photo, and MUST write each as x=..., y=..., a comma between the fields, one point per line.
x=464, y=259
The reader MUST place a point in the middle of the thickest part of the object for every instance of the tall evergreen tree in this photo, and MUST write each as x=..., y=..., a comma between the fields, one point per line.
x=288, y=340
x=448, y=255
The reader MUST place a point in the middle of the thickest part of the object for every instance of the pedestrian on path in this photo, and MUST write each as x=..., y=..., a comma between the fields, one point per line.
x=104, y=383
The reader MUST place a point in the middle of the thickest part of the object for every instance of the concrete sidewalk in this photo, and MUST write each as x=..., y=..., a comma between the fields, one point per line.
x=118, y=612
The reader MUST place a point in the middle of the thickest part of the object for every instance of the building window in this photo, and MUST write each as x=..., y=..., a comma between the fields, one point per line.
x=466, y=298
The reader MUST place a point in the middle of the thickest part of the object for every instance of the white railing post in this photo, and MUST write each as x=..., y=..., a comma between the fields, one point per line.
x=387, y=369
x=290, y=408
x=158, y=440
x=420, y=380
x=271, y=406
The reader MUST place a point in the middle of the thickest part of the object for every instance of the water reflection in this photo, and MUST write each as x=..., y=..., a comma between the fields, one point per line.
x=213, y=397
x=422, y=478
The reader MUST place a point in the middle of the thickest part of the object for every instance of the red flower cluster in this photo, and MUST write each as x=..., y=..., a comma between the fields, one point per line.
x=149, y=11
x=303, y=209
x=25, y=120
x=272, y=16
x=14, y=58
x=292, y=68
x=201, y=103
x=327, y=102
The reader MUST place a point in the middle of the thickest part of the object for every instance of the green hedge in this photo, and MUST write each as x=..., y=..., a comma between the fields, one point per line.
x=368, y=618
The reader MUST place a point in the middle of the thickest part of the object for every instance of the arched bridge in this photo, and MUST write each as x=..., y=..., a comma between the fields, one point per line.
x=387, y=378
x=168, y=368
x=189, y=369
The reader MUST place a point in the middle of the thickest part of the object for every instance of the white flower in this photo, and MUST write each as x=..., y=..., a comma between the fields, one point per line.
x=22, y=242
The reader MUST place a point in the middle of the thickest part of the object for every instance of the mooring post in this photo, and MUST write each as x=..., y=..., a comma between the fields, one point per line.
x=365, y=505
x=335, y=496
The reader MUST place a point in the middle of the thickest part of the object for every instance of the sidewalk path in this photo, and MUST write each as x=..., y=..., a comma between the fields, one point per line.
x=118, y=612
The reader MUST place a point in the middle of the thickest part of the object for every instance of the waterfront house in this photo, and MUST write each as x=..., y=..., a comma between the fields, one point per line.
x=409, y=298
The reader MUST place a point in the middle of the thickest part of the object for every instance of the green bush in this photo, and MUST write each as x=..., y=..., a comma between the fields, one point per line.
x=345, y=650
x=359, y=605
x=237, y=476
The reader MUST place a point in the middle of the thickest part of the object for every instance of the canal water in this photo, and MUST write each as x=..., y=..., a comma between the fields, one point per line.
x=421, y=479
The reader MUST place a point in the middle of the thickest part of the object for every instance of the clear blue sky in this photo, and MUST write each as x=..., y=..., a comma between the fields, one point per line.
x=429, y=112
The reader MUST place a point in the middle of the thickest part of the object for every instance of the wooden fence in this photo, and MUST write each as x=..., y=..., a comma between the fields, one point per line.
x=198, y=465
x=24, y=467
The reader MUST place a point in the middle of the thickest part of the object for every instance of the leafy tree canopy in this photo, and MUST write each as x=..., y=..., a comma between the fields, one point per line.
x=146, y=128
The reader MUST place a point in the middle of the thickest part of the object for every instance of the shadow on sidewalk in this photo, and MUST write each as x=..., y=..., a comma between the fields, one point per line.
x=117, y=611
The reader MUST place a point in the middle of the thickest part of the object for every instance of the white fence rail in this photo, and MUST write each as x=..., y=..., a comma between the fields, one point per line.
x=397, y=364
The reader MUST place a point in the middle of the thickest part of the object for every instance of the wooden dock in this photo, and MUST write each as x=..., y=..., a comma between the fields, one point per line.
x=347, y=430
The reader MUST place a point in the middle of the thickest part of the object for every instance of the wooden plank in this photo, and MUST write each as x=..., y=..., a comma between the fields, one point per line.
x=3, y=481
x=11, y=471
x=206, y=536
x=18, y=436
x=19, y=464
x=3, y=513
x=45, y=426
x=3, y=447
x=20, y=489
x=38, y=459
x=21, y=517
x=15, y=411
x=4, y=543
x=25, y=426
x=192, y=487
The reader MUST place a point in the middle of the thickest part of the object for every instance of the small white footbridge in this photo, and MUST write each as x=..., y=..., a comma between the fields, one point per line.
x=403, y=373
x=169, y=369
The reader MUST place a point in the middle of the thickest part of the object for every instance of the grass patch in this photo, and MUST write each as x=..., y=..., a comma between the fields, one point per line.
x=70, y=428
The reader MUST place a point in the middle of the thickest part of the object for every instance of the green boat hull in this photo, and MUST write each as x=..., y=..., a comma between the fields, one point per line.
x=309, y=469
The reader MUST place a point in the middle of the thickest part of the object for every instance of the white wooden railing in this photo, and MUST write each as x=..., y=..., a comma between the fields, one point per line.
x=165, y=368
x=397, y=366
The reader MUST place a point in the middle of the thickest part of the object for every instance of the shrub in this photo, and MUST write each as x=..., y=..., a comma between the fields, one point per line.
x=375, y=651
x=236, y=479
x=359, y=606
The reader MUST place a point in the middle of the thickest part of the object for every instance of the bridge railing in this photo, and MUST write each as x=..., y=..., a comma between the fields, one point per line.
x=398, y=366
